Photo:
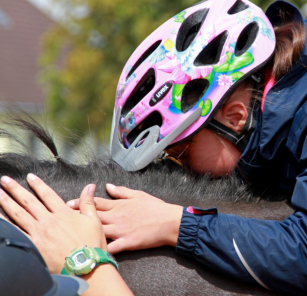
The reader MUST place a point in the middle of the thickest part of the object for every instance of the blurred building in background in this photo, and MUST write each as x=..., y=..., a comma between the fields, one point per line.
x=21, y=28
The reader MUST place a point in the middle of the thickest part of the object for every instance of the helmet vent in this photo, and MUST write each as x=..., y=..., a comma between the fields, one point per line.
x=144, y=86
x=143, y=57
x=237, y=7
x=210, y=54
x=152, y=119
x=192, y=93
x=189, y=29
x=246, y=38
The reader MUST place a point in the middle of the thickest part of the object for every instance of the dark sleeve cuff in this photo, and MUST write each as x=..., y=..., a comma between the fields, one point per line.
x=207, y=237
x=189, y=229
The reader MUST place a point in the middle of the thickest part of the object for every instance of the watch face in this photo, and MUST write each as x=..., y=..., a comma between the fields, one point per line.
x=81, y=261
x=79, y=258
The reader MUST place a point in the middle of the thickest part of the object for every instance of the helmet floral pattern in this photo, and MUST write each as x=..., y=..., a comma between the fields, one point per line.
x=236, y=44
x=182, y=70
x=247, y=16
x=223, y=75
x=121, y=87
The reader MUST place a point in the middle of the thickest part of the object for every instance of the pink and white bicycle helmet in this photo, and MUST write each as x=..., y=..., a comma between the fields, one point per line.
x=181, y=73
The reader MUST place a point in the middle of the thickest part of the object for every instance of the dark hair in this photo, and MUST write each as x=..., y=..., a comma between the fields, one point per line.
x=290, y=40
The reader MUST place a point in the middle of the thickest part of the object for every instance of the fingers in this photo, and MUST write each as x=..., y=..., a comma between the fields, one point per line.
x=110, y=231
x=120, y=191
x=74, y=204
x=48, y=196
x=26, y=199
x=101, y=204
x=117, y=246
x=16, y=212
x=106, y=217
x=87, y=205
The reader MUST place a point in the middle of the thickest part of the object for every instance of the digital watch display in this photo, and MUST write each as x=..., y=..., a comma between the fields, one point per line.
x=83, y=260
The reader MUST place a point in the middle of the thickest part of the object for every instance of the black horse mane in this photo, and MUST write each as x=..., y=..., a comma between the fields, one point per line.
x=166, y=273
x=161, y=178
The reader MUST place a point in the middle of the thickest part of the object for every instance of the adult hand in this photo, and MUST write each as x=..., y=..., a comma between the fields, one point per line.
x=136, y=220
x=54, y=227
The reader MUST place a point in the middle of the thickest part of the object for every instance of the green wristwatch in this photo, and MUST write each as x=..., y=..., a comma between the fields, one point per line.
x=83, y=260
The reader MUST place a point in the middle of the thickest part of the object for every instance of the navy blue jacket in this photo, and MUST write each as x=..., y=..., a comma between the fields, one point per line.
x=272, y=253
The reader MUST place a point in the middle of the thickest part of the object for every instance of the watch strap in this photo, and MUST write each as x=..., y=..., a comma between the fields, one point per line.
x=63, y=271
x=106, y=257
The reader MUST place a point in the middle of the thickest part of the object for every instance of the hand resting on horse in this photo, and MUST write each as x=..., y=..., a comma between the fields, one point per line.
x=56, y=229
x=136, y=220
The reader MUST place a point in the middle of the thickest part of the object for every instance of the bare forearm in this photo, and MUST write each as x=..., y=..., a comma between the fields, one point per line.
x=172, y=224
x=105, y=280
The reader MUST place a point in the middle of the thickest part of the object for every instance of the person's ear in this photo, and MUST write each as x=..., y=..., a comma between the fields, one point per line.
x=234, y=115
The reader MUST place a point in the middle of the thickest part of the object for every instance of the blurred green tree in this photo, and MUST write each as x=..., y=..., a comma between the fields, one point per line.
x=83, y=56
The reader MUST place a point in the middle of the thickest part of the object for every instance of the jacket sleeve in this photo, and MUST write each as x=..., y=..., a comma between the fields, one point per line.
x=272, y=253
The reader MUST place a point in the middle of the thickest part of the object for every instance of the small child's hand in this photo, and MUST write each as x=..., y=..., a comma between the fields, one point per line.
x=136, y=220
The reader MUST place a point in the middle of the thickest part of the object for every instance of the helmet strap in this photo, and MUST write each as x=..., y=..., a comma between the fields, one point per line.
x=238, y=140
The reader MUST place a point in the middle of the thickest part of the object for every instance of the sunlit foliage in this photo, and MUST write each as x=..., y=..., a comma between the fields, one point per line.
x=84, y=55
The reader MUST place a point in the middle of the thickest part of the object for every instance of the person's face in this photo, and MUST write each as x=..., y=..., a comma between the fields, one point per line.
x=209, y=153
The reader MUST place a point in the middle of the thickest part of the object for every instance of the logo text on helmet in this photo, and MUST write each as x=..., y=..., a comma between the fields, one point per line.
x=161, y=93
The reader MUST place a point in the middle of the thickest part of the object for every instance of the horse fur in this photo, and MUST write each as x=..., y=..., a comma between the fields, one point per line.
x=157, y=271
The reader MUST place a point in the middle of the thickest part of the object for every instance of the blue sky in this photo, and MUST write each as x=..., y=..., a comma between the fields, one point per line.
x=49, y=7
x=57, y=11
x=44, y=4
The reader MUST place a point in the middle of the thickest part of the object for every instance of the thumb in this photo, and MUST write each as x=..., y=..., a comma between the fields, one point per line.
x=117, y=246
x=87, y=204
